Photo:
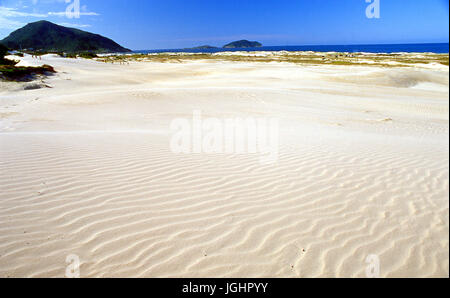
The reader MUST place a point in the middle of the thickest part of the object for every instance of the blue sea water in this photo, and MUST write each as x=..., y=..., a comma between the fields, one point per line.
x=440, y=48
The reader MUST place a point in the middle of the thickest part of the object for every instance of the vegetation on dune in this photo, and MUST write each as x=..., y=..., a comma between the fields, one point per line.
x=85, y=55
x=22, y=73
x=3, y=60
x=10, y=72
x=3, y=52
x=301, y=58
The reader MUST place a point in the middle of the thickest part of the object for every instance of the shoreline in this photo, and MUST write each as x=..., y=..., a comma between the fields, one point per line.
x=313, y=48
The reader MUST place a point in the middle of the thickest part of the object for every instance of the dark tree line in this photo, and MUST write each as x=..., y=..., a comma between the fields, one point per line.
x=3, y=52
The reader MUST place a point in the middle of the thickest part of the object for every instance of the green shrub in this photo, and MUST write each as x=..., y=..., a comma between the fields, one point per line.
x=3, y=52
x=87, y=55
x=22, y=73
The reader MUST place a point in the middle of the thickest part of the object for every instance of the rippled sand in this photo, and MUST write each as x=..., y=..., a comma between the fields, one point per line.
x=86, y=169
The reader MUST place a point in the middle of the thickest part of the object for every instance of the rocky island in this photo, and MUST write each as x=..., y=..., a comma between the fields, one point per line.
x=243, y=44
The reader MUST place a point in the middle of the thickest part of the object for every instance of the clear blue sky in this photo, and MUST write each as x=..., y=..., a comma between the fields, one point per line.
x=164, y=24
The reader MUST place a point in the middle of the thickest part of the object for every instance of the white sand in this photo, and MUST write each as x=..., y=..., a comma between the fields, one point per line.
x=86, y=169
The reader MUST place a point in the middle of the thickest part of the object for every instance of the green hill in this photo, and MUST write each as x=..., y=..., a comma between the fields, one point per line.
x=243, y=44
x=46, y=36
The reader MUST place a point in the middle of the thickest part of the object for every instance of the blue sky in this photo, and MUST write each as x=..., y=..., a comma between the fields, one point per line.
x=165, y=24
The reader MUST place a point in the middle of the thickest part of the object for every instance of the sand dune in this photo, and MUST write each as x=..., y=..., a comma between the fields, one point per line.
x=86, y=169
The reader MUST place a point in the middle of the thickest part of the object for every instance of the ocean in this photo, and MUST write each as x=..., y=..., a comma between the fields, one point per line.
x=440, y=48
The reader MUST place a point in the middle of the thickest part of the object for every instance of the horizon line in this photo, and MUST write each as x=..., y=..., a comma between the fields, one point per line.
x=303, y=45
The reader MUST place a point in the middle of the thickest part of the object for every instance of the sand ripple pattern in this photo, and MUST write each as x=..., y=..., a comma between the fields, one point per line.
x=129, y=208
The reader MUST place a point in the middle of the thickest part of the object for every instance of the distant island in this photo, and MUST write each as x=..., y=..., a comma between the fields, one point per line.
x=45, y=36
x=203, y=48
x=243, y=44
x=232, y=45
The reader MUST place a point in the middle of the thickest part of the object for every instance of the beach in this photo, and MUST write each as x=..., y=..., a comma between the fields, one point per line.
x=361, y=172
